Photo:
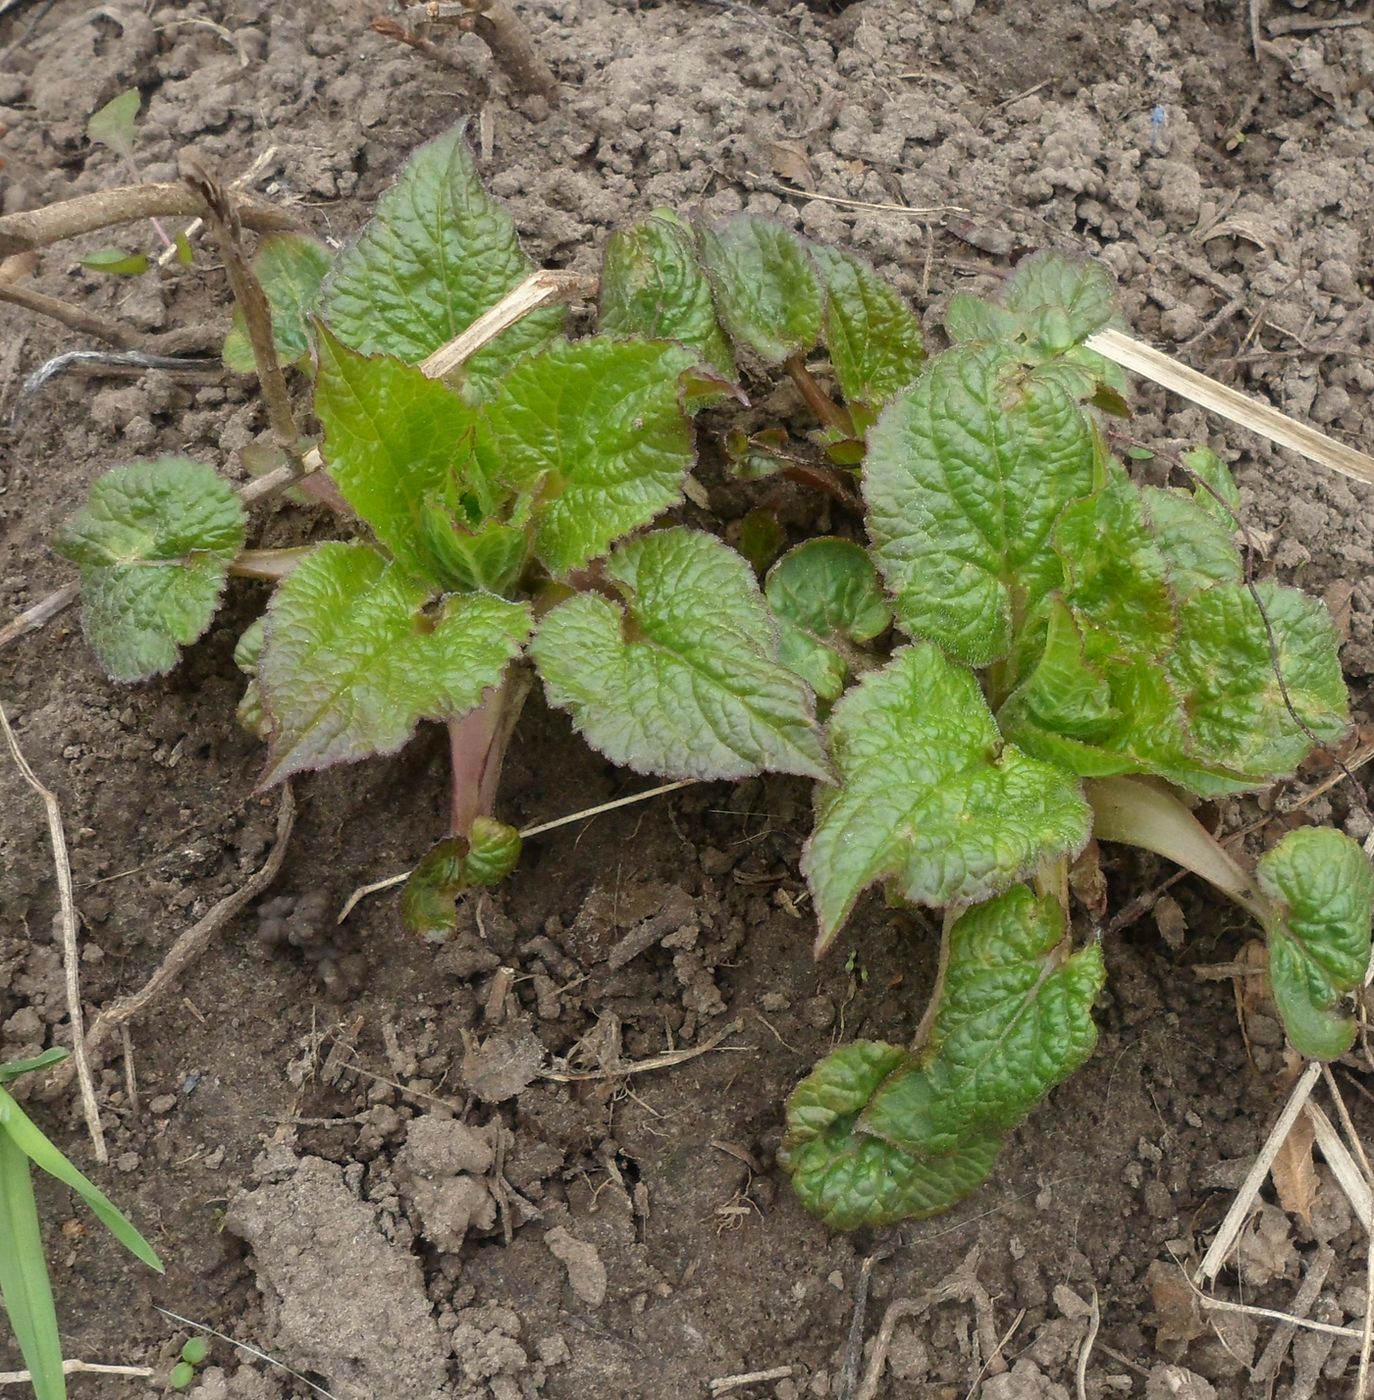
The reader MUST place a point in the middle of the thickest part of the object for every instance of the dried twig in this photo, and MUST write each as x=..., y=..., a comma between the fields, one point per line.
x=651, y=1062
x=723, y=1384
x=504, y=33
x=223, y=222
x=848, y=1376
x=1266, y=1369
x=191, y=943
x=74, y=317
x=87, y=213
x=31, y=619
x=71, y=961
x=1085, y=1351
x=764, y=183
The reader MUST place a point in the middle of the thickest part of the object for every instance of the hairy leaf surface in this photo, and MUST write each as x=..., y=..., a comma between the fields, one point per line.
x=767, y=288
x=1322, y=885
x=827, y=600
x=437, y=253
x=596, y=433
x=451, y=867
x=154, y=542
x=930, y=797
x=353, y=660
x=874, y=338
x=681, y=677
x=967, y=472
x=652, y=285
x=851, y=1179
x=1014, y=1021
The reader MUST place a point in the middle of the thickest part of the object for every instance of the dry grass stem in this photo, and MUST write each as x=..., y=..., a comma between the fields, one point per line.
x=797, y=192
x=71, y=961
x=1343, y=1166
x=243, y=181
x=1080, y=1372
x=87, y=1368
x=1235, y=407
x=651, y=1062
x=363, y=891
x=1239, y=1212
x=721, y=1384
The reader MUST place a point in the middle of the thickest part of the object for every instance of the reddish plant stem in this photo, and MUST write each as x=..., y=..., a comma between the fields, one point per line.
x=830, y=482
x=817, y=400
x=477, y=749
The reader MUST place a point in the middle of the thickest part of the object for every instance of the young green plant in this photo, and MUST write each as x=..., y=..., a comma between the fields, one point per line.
x=24, y=1285
x=1021, y=648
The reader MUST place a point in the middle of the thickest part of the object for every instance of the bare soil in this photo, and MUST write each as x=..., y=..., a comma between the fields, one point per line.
x=389, y=1194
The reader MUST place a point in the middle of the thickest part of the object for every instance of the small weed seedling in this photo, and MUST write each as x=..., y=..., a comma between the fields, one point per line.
x=1025, y=648
x=24, y=1286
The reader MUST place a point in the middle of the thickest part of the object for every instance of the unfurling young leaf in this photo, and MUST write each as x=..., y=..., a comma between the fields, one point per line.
x=1014, y=1020
x=154, y=542
x=930, y=797
x=851, y=1179
x=457, y=864
x=767, y=286
x=437, y=253
x=597, y=435
x=291, y=269
x=1061, y=301
x=1323, y=891
x=874, y=339
x=682, y=676
x=827, y=600
x=653, y=285
x=967, y=473
x=354, y=658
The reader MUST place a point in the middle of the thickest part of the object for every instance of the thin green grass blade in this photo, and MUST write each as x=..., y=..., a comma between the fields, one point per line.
x=24, y=1284
x=24, y=1133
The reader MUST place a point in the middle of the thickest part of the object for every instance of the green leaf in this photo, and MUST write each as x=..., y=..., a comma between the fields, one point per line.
x=1014, y=1020
x=452, y=867
x=185, y=255
x=154, y=542
x=46, y=1060
x=113, y=124
x=597, y=433
x=355, y=658
x=968, y=317
x=966, y=475
x=116, y=262
x=761, y=538
x=24, y=1285
x=399, y=446
x=489, y=559
x=18, y=1128
x=181, y=1375
x=851, y=1179
x=874, y=339
x=652, y=285
x=1323, y=892
x=1216, y=491
x=930, y=797
x=827, y=600
x=247, y=652
x=1222, y=664
x=768, y=294
x=1061, y=301
x=1197, y=545
x=681, y=677
x=437, y=253
x=291, y=269
x=195, y=1350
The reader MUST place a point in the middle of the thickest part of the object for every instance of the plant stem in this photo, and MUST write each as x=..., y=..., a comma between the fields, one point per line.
x=1142, y=814
x=477, y=749
x=817, y=400
x=270, y=564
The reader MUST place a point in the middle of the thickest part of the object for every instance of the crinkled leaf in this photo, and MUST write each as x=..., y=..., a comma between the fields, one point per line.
x=874, y=339
x=457, y=864
x=291, y=269
x=398, y=445
x=597, y=433
x=1062, y=301
x=768, y=293
x=354, y=659
x=1014, y=1021
x=1216, y=491
x=827, y=600
x=1240, y=724
x=1196, y=544
x=488, y=559
x=969, y=317
x=154, y=542
x=851, y=1179
x=966, y=475
x=682, y=676
x=1323, y=889
x=437, y=253
x=653, y=285
x=930, y=797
